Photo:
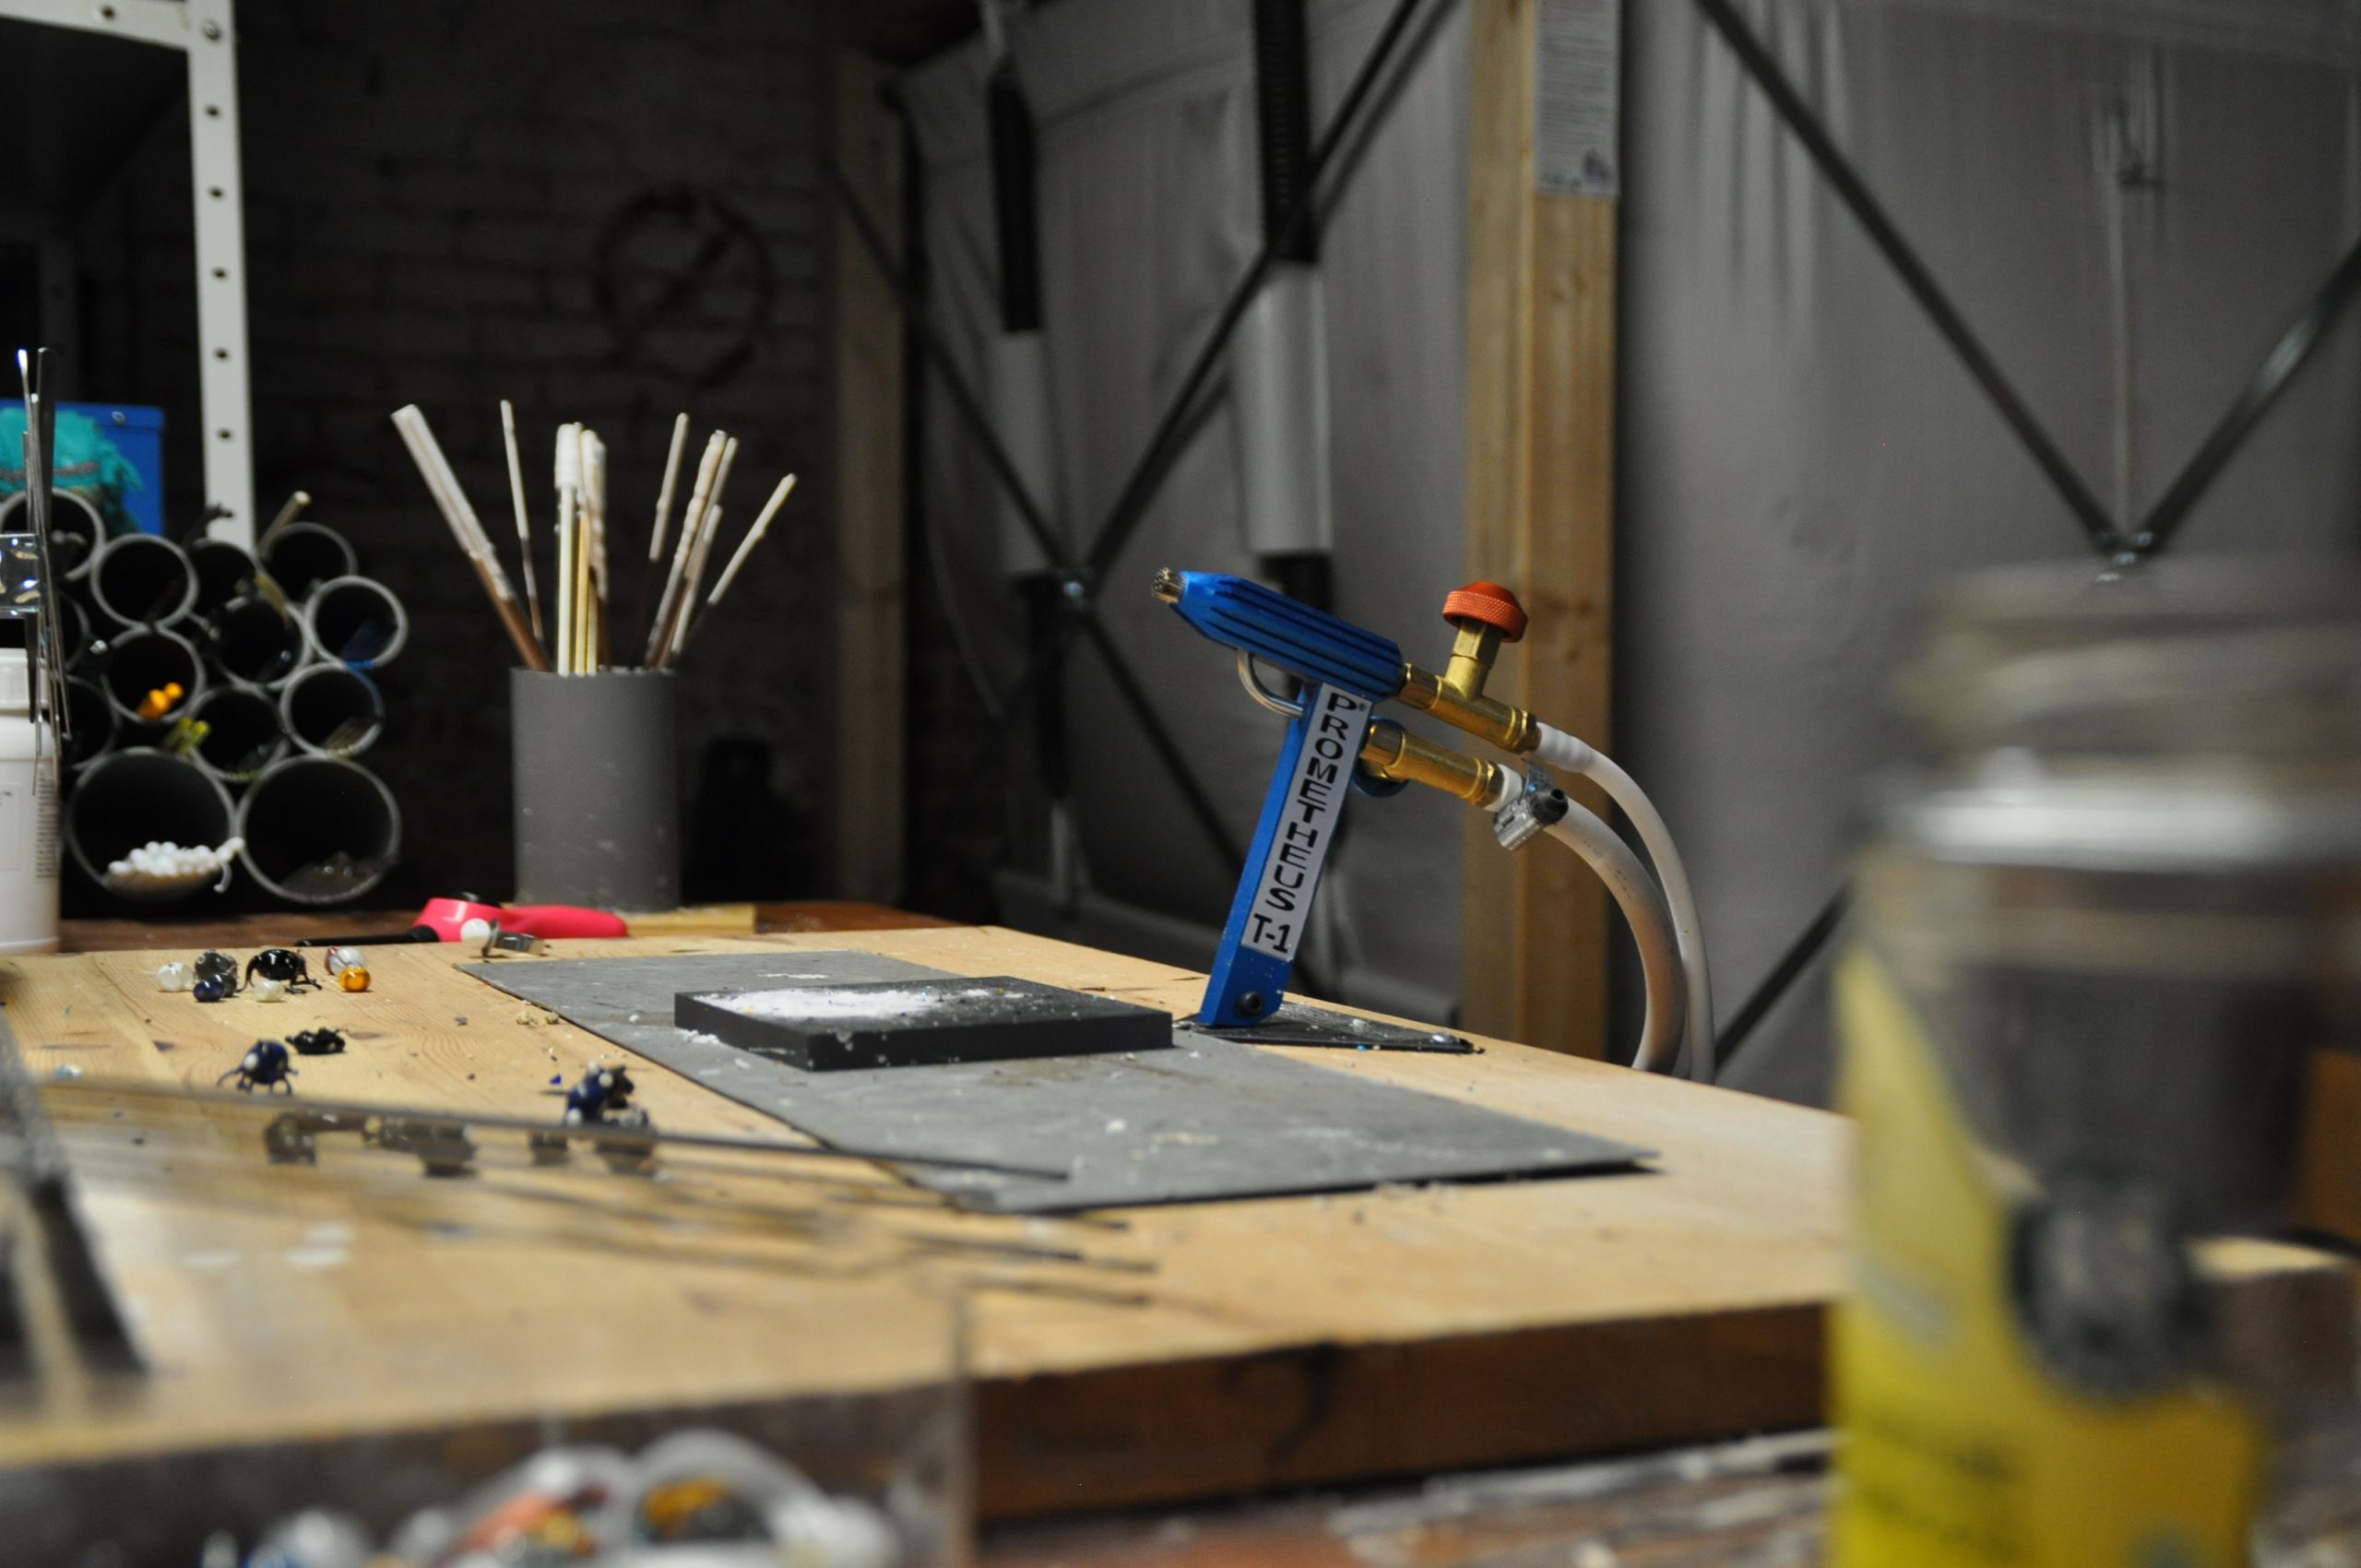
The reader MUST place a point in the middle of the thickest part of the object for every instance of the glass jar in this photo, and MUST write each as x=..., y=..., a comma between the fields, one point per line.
x=2101, y=1018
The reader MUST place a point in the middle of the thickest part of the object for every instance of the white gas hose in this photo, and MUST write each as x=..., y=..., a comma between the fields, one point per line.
x=1563, y=752
x=1635, y=894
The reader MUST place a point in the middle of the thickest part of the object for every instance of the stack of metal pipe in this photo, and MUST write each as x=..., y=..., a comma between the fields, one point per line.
x=214, y=698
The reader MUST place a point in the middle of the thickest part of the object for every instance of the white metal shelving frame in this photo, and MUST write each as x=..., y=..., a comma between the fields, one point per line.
x=205, y=32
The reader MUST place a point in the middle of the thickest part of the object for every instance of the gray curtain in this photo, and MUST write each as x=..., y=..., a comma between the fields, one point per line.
x=1800, y=455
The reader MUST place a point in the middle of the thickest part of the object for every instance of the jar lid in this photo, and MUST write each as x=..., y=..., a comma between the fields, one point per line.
x=2258, y=659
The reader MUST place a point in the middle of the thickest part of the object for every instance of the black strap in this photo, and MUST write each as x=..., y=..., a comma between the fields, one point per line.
x=1781, y=980
x=1872, y=215
x=2293, y=348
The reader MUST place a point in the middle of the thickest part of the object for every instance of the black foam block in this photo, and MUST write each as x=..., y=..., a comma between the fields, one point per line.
x=826, y=1028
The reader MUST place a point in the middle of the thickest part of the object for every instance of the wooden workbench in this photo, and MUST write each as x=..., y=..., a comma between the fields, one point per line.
x=1136, y=1357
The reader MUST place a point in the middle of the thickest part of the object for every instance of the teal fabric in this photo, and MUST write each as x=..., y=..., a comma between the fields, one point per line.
x=88, y=461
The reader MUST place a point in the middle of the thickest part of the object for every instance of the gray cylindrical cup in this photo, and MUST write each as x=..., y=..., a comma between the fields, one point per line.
x=597, y=810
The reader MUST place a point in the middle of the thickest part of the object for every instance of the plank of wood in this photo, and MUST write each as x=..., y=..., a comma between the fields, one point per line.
x=841, y=914
x=284, y=1301
x=1540, y=518
x=870, y=528
x=1201, y=1349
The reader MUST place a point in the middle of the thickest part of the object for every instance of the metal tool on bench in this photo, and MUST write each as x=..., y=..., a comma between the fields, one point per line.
x=38, y=597
x=1335, y=743
x=42, y=1230
x=34, y=728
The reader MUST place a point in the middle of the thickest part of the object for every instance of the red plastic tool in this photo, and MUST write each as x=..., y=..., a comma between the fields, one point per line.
x=446, y=920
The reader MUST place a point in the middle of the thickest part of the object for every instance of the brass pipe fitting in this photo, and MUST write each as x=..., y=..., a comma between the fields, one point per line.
x=1472, y=653
x=1482, y=617
x=1393, y=752
x=1487, y=718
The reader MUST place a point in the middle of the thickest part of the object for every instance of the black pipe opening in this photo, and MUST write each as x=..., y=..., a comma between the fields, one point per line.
x=224, y=572
x=333, y=710
x=357, y=620
x=74, y=526
x=142, y=663
x=305, y=555
x=93, y=719
x=141, y=580
x=256, y=641
x=243, y=733
x=319, y=830
x=136, y=796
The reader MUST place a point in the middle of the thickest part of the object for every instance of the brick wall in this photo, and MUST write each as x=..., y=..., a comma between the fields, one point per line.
x=604, y=210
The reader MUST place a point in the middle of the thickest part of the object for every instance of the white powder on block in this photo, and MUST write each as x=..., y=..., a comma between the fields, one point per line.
x=837, y=1003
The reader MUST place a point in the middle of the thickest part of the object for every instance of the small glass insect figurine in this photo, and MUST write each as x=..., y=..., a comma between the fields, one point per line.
x=212, y=965
x=173, y=977
x=284, y=964
x=343, y=958
x=317, y=1043
x=353, y=977
x=162, y=700
x=210, y=990
x=603, y=1092
x=265, y=1066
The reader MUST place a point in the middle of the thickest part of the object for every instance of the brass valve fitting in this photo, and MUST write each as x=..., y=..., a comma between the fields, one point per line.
x=1393, y=752
x=1484, y=615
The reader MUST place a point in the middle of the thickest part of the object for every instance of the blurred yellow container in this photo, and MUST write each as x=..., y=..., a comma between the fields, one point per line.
x=2104, y=1003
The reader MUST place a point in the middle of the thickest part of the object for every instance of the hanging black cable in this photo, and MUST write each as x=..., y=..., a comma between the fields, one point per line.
x=1148, y=474
x=1016, y=230
x=2293, y=348
x=1838, y=171
x=1283, y=127
x=1015, y=223
x=1782, y=978
x=1283, y=157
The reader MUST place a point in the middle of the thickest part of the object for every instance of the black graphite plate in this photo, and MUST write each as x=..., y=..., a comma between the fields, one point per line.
x=834, y=1029
x=1204, y=1120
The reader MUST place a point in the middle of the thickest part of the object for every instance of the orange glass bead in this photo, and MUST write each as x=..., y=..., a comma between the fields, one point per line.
x=353, y=977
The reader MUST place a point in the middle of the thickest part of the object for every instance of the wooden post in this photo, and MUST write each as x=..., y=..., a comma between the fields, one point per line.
x=869, y=418
x=1541, y=479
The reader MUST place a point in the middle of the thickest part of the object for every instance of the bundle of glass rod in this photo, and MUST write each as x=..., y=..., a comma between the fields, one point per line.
x=576, y=635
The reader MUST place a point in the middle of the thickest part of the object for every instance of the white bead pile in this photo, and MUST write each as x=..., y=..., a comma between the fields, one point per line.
x=155, y=866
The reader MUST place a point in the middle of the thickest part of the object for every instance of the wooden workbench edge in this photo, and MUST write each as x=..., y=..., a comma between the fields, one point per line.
x=1330, y=1413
